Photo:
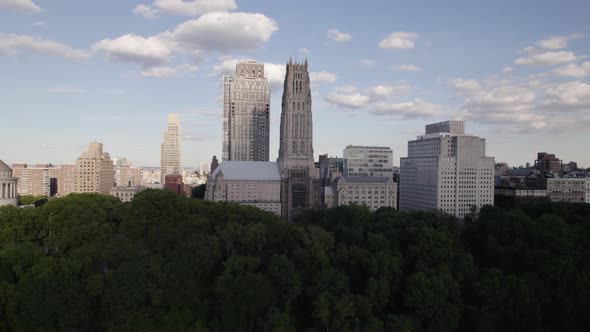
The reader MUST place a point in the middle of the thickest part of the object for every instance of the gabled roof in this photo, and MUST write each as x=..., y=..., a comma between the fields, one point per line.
x=4, y=168
x=248, y=170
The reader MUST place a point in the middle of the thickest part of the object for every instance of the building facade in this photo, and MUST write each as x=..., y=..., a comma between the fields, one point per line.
x=447, y=170
x=300, y=178
x=547, y=162
x=373, y=191
x=65, y=177
x=94, y=171
x=170, y=150
x=246, y=114
x=126, y=194
x=368, y=161
x=8, y=186
x=574, y=190
x=250, y=183
x=33, y=179
x=126, y=175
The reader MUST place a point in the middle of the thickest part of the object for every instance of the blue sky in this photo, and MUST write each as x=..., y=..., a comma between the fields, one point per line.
x=74, y=71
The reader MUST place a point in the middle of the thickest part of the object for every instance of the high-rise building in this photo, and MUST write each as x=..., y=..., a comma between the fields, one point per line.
x=8, y=185
x=170, y=155
x=64, y=176
x=246, y=114
x=94, y=171
x=368, y=161
x=447, y=170
x=300, y=188
x=126, y=175
x=33, y=179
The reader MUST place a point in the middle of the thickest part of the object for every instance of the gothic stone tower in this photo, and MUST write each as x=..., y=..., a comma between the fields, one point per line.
x=300, y=184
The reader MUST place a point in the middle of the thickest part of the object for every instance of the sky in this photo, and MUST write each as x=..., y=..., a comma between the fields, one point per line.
x=76, y=71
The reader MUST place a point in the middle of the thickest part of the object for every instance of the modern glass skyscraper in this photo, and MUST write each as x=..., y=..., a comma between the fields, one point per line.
x=246, y=114
x=170, y=156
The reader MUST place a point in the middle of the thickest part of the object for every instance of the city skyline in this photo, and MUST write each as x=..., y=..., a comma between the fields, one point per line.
x=519, y=77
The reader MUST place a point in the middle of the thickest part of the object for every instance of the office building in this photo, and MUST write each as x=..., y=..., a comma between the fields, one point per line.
x=170, y=150
x=447, y=170
x=373, y=191
x=94, y=172
x=246, y=114
x=368, y=161
x=8, y=186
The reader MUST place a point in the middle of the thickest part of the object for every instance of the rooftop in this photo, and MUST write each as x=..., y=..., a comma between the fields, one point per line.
x=372, y=179
x=249, y=170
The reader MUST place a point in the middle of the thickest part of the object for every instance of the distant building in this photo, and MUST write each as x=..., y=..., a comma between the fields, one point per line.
x=374, y=192
x=570, y=167
x=214, y=164
x=204, y=169
x=575, y=190
x=174, y=183
x=368, y=161
x=170, y=150
x=447, y=170
x=8, y=185
x=250, y=183
x=64, y=176
x=547, y=162
x=33, y=179
x=246, y=114
x=94, y=171
x=126, y=175
x=126, y=194
x=501, y=169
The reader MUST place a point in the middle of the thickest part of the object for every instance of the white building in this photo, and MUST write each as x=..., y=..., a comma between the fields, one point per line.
x=255, y=183
x=372, y=191
x=575, y=190
x=8, y=194
x=447, y=170
x=368, y=161
x=170, y=157
x=126, y=194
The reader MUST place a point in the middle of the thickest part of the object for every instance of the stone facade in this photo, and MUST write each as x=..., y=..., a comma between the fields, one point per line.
x=170, y=150
x=94, y=171
x=246, y=114
x=126, y=194
x=300, y=178
x=8, y=186
x=374, y=192
x=575, y=190
x=447, y=171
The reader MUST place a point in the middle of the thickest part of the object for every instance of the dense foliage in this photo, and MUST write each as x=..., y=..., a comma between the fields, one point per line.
x=169, y=263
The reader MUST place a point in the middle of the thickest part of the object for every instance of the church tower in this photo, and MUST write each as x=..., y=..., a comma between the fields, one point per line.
x=299, y=189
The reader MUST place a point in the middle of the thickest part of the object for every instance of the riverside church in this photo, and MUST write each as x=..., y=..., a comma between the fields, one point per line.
x=291, y=184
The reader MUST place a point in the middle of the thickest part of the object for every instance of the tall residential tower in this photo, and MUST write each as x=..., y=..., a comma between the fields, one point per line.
x=300, y=184
x=170, y=156
x=446, y=170
x=246, y=114
x=94, y=172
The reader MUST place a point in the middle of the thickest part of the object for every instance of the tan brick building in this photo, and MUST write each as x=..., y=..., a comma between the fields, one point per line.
x=94, y=171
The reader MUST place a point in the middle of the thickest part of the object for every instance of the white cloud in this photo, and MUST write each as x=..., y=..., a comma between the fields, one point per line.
x=573, y=70
x=184, y=7
x=304, y=50
x=224, y=32
x=168, y=71
x=146, y=11
x=346, y=89
x=548, y=58
x=557, y=42
x=148, y=52
x=322, y=77
x=407, y=67
x=507, y=70
x=368, y=63
x=385, y=91
x=417, y=108
x=339, y=36
x=569, y=96
x=25, y=6
x=352, y=101
x=399, y=40
x=275, y=73
x=14, y=45
x=465, y=85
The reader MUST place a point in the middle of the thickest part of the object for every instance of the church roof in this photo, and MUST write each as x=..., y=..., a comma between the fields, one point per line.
x=249, y=170
x=4, y=168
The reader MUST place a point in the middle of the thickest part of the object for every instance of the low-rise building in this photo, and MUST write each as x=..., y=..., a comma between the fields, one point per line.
x=255, y=183
x=373, y=191
x=8, y=185
x=126, y=194
x=575, y=190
